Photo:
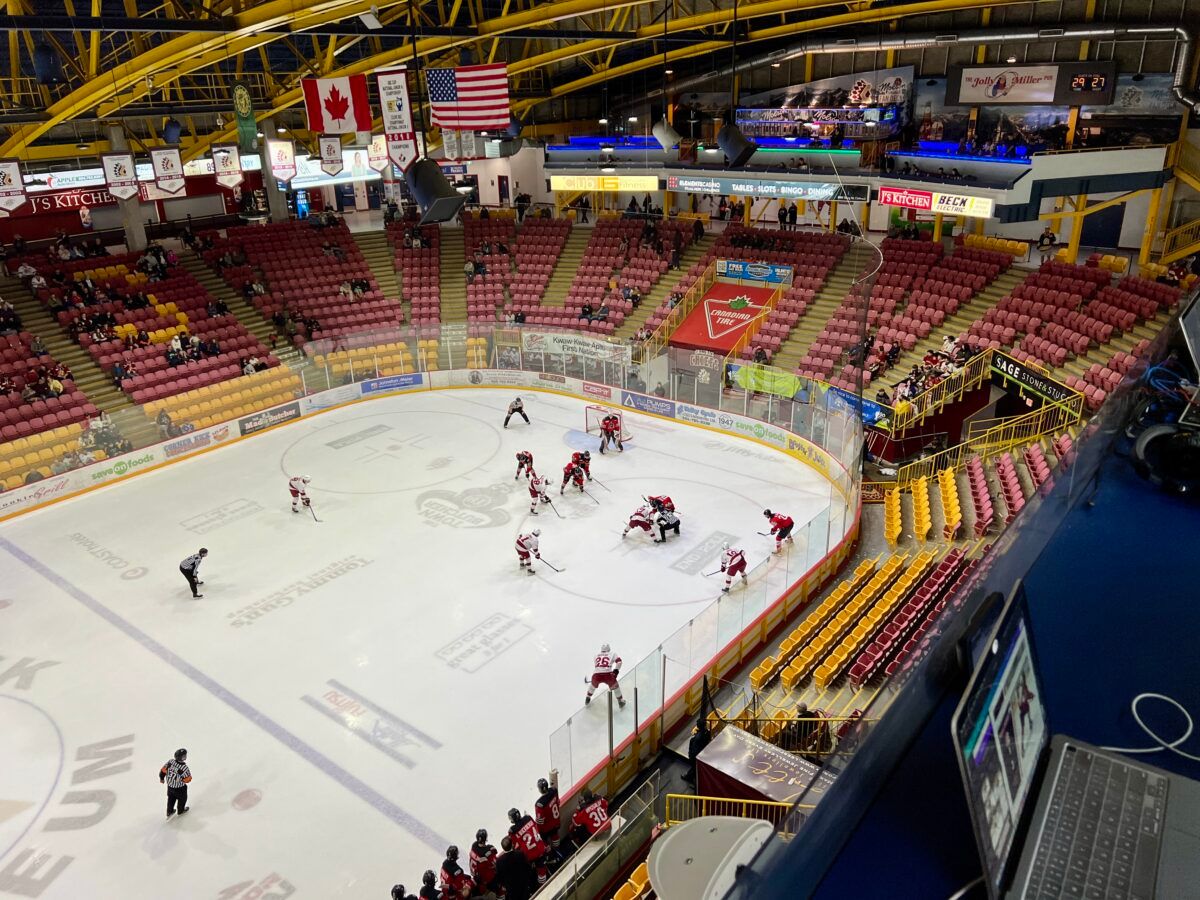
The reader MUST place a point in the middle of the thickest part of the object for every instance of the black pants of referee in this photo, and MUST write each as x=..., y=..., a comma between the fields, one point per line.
x=176, y=796
x=516, y=412
x=191, y=580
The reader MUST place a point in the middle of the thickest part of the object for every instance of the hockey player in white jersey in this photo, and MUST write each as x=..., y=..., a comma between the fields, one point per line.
x=298, y=488
x=537, y=491
x=605, y=669
x=527, y=546
x=643, y=518
x=733, y=562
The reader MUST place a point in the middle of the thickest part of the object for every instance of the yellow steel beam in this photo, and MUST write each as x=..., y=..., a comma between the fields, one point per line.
x=1081, y=211
x=93, y=65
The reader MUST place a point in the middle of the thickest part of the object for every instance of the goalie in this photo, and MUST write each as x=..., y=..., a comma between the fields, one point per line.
x=610, y=433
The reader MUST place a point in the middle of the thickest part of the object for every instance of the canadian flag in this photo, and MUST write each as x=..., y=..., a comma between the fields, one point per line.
x=337, y=105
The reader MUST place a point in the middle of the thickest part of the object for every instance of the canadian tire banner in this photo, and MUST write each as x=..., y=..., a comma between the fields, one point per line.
x=331, y=154
x=1019, y=84
x=450, y=143
x=120, y=175
x=282, y=155
x=397, y=118
x=337, y=105
x=377, y=153
x=168, y=169
x=227, y=165
x=12, y=185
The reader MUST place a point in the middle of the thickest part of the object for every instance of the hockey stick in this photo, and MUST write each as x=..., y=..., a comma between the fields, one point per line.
x=765, y=533
x=554, y=568
x=594, y=500
x=602, y=484
x=313, y=511
x=555, y=508
x=710, y=574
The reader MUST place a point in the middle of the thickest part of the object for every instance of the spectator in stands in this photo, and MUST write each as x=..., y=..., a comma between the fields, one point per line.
x=469, y=270
x=164, y=424
x=1045, y=243
x=54, y=387
x=585, y=312
x=781, y=213
x=18, y=245
x=791, y=216
x=881, y=396
x=65, y=463
x=176, y=343
x=122, y=371
x=954, y=173
x=519, y=317
x=601, y=314
x=344, y=289
x=217, y=308
x=37, y=282
x=142, y=339
x=483, y=213
x=174, y=356
x=585, y=206
x=697, y=229
x=674, y=299
x=7, y=385
x=60, y=371
x=761, y=356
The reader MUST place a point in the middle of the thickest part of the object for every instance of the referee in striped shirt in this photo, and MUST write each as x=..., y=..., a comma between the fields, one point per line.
x=190, y=568
x=175, y=774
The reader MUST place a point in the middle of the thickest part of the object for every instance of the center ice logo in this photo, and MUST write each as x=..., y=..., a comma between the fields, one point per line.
x=472, y=508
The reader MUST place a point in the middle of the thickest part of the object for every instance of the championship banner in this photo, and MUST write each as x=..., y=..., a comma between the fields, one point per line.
x=282, y=156
x=12, y=185
x=331, y=154
x=120, y=175
x=168, y=169
x=243, y=113
x=985, y=85
x=377, y=153
x=466, y=145
x=575, y=345
x=397, y=118
x=227, y=165
x=450, y=143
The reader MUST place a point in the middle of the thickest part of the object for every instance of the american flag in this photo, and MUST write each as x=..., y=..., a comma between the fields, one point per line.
x=469, y=98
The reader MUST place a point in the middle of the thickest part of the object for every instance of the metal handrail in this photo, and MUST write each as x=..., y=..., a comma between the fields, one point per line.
x=685, y=807
x=1180, y=238
x=908, y=412
x=658, y=339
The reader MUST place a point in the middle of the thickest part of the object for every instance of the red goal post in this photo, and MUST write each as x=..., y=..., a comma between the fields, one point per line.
x=594, y=414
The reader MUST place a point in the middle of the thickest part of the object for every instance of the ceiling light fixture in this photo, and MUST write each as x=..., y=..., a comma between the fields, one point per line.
x=633, y=118
x=603, y=121
x=1011, y=60
x=607, y=170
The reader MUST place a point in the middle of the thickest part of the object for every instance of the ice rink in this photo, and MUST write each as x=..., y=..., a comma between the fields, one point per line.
x=354, y=694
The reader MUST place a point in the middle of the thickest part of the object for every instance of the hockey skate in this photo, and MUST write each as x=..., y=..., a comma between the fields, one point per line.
x=587, y=701
x=621, y=702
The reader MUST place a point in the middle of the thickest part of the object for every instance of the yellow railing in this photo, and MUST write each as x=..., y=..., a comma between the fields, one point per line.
x=909, y=412
x=685, y=807
x=1188, y=158
x=1179, y=242
x=653, y=345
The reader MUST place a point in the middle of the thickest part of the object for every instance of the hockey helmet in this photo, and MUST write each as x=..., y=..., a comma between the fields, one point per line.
x=518, y=400
x=452, y=852
x=428, y=878
x=204, y=551
x=305, y=479
x=398, y=892
x=587, y=797
x=180, y=755
x=725, y=545
x=604, y=648
x=768, y=513
x=514, y=815
x=481, y=834
x=587, y=454
x=543, y=785
x=537, y=532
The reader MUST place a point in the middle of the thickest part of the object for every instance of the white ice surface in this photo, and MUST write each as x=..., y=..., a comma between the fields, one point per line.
x=409, y=738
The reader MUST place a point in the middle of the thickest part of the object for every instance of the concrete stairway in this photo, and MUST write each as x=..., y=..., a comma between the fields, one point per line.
x=250, y=317
x=1123, y=343
x=451, y=259
x=378, y=254
x=663, y=287
x=565, y=267
x=824, y=305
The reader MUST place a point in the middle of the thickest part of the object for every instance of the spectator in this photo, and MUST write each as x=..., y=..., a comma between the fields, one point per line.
x=469, y=270
x=514, y=873
x=585, y=312
x=483, y=213
x=791, y=216
x=781, y=213
x=697, y=230
x=37, y=282
x=1045, y=243
x=760, y=356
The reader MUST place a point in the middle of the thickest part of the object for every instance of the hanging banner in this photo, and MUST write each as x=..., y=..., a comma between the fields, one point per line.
x=1013, y=84
x=879, y=87
x=377, y=154
x=450, y=143
x=227, y=165
x=282, y=155
x=466, y=145
x=168, y=169
x=331, y=154
x=243, y=113
x=397, y=117
x=120, y=175
x=12, y=185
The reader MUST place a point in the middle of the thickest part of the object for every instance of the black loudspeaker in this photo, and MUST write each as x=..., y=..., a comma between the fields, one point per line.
x=734, y=145
x=438, y=199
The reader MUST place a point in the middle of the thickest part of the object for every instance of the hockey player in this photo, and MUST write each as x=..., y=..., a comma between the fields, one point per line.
x=666, y=521
x=516, y=408
x=483, y=861
x=572, y=473
x=733, y=562
x=525, y=835
x=545, y=809
x=590, y=818
x=643, y=518
x=661, y=503
x=298, y=488
x=781, y=527
x=606, y=667
x=527, y=545
x=429, y=888
x=524, y=464
x=583, y=459
x=399, y=893
x=454, y=882
x=537, y=491
x=610, y=433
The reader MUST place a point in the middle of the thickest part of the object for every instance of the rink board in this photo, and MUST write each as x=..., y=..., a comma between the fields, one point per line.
x=319, y=682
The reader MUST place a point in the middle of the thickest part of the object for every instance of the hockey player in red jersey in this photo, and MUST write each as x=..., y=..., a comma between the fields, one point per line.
x=733, y=562
x=429, y=888
x=589, y=818
x=537, y=491
x=606, y=667
x=643, y=518
x=298, y=488
x=583, y=459
x=527, y=546
x=524, y=464
x=483, y=860
x=661, y=503
x=572, y=473
x=525, y=835
x=610, y=433
x=545, y=809
x=781, y=527
x=454, y=882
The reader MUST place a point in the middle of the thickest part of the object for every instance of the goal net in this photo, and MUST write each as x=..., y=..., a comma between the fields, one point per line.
x=595, y=415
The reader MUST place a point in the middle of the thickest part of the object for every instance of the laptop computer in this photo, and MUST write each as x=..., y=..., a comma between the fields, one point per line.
x=1056, y=817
